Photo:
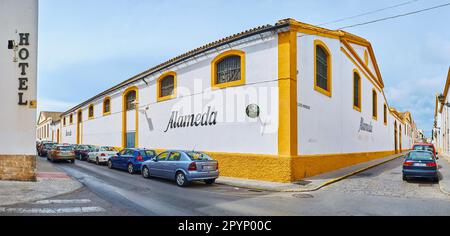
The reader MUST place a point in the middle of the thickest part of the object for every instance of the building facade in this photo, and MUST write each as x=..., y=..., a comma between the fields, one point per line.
x=49, y=127
x=18, y=73
x=279, y=103
x=441, y=128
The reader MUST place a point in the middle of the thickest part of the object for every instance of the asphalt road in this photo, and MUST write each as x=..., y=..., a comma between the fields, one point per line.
x=379, y=191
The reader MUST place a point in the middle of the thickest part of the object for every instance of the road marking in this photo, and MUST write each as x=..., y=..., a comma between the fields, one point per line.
x=73, y=201
x=51, y=211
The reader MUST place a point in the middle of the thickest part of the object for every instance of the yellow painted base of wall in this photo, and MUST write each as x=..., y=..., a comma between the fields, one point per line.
x=286, y=169
x=308, y=166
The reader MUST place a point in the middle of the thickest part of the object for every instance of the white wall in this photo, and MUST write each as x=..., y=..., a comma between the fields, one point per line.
x=17, y=123
x=332, y=125
x=233, y=132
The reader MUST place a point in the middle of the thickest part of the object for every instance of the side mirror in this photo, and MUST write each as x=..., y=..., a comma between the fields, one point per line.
x=118, y=154
x=155, y=159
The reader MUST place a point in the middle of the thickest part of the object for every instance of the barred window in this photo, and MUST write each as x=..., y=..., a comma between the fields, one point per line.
x=375, y=104
x=130, y=100
x=107, y=106
x=91, y=111
x=356, y=90
x=71, y=119
x=167, y=86
x=229, y=70
x=322, y=76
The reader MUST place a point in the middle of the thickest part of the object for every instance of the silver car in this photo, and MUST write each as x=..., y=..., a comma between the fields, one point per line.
x=182, y=166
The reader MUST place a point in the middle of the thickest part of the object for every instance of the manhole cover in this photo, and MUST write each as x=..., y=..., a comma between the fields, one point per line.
x=425, y=185
x=303, y=196
x=303, y=183
x=255, y=191
x=365, y=174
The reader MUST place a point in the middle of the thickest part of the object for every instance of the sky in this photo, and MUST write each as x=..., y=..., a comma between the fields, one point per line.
x=86, y=47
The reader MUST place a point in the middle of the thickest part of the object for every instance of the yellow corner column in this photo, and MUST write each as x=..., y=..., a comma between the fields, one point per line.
x=287, y=83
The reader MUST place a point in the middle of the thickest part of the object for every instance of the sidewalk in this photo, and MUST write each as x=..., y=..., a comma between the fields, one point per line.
x=310, y=184
x=444, y=170
x=50, y=183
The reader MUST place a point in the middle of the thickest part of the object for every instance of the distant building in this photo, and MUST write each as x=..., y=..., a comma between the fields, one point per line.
x=49, y=127
x=279, y=102
x=18, y=84
x=441, y=128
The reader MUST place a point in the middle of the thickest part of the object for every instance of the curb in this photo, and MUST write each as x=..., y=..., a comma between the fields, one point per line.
x=318, y=187
x=441, y=187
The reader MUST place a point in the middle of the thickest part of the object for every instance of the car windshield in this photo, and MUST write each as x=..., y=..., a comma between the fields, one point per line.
x=421, y=156
x=423, y=148
x=198, y=156
x=107, y=149
x=148, y=153
x=65, y=148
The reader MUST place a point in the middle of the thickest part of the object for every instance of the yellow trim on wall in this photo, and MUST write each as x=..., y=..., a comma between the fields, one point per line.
x=287, y=85
x=366, y=58
x=359, y=107
x=103, y=107
x=124, y=116
x=242, y=81
x=361, y=69
x=159, y=97
x=375, y=104
x=361, y=62
x=91, y=116
x=319, y=43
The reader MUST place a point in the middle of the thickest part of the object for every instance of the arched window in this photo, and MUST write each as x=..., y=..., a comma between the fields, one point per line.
x=64, y=121
x=375, y=104
x=130, y=100
x=167, y=86
x=91, y=112
x=107, y=106
x=356, y=91
x=228, y=69
x=322, y=65
x=71, y=119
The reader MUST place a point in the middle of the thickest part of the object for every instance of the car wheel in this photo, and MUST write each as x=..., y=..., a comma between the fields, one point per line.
x=181, y=180
x=405, y=178
x=145, y=173
x=210, y=181
x=97, y=161
x=436, y=179
x=72, y=161
x=110, y=164
x=130, y=169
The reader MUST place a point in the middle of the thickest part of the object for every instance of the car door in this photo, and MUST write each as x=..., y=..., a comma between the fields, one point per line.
x=171, y=165
x=156, y=168
x=125, y=159
x=117, y=160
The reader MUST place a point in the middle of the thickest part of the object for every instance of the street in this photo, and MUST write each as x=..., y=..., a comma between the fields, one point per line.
x=379, y=191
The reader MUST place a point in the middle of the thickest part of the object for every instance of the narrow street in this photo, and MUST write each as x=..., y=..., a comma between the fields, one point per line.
x=379, y=191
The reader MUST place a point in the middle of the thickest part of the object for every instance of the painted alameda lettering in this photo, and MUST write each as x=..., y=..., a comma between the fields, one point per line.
x=24, y=54
x=194, y=120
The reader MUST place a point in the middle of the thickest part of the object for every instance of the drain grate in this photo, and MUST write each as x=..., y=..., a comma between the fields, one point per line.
x=303, y=196
x=425, y=185
x=365, y=175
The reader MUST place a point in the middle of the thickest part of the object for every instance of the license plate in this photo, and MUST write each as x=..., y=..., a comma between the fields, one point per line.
x=420, y=165
x=209, y=168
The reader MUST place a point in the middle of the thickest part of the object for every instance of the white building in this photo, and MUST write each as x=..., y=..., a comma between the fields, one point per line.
x=49, y=127
x=277, y=103
x=441, y=129
x=18, y=79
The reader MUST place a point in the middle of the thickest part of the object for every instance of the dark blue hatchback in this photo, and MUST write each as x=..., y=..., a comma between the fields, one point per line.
x=420, y=164
x=131, y=159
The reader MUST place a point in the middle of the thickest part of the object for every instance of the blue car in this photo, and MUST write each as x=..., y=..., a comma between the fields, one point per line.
x=420, y=164
x=182, y=166
x=130, y=159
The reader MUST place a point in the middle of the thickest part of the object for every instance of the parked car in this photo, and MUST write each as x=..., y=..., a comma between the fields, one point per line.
x=420, y=164
x=182, y=166
x=82, y=151
x=44, y=148
x=62, y=153
x=425, y=147
x=101, y=155
x=130, y=159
